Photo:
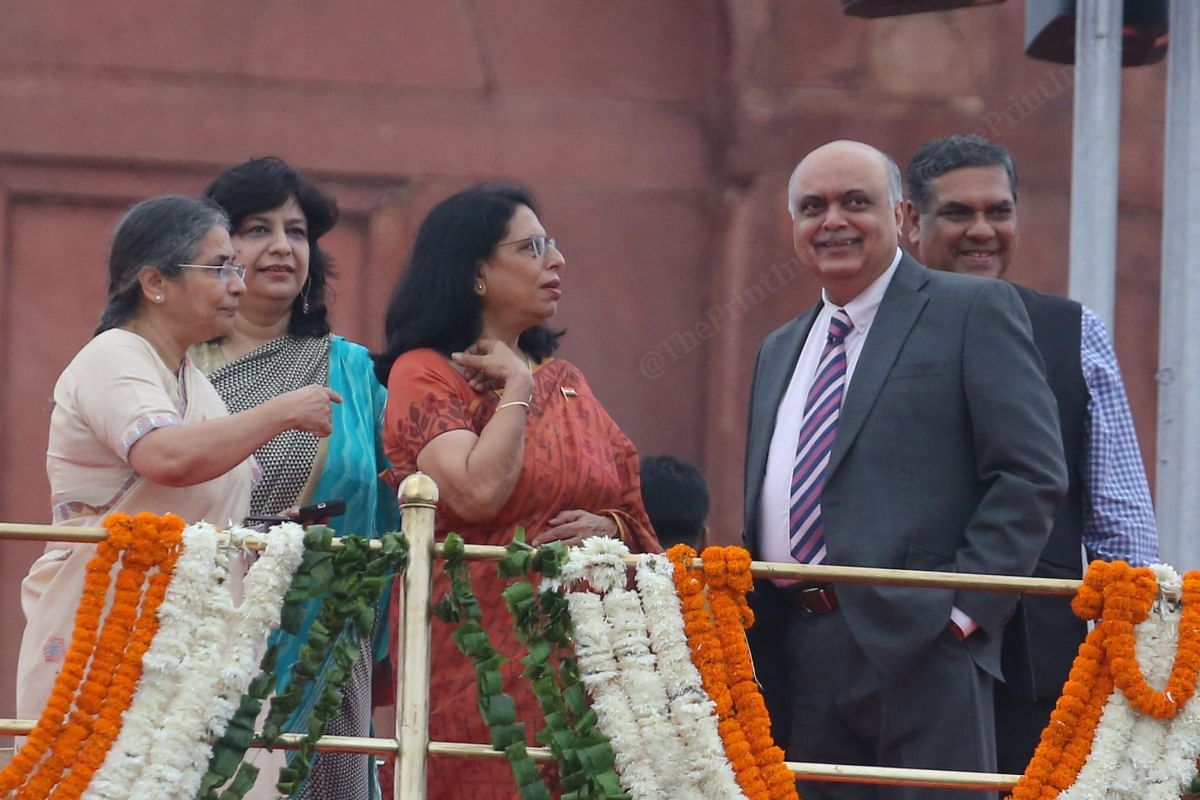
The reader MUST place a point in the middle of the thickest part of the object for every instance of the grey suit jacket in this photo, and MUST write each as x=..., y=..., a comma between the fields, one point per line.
x=947, y=457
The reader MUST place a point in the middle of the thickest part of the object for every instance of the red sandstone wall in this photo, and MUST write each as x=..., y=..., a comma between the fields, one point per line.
x=658, y=135
x=598, y=107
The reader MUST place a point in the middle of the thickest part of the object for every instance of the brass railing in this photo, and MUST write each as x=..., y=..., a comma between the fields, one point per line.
x=410, y=745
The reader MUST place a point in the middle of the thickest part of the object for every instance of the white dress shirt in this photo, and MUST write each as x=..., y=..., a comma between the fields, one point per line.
x=776, y=504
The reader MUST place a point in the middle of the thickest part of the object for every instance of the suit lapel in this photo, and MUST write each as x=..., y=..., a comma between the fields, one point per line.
x=777, y=364
x=784, y=357
x=898, y=311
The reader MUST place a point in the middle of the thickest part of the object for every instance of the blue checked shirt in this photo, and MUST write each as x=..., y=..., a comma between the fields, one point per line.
x=1118, y=518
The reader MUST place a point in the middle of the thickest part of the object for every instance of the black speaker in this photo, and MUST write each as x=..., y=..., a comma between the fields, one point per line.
x=895, y=8
x=1050, y=31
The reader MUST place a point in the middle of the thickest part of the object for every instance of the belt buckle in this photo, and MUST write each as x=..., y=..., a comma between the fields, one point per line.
x=816, y=600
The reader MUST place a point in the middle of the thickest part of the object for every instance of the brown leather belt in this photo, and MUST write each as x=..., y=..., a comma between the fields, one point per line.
x=812, y=600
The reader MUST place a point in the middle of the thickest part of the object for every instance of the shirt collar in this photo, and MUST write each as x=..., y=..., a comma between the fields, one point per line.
x=861, y=309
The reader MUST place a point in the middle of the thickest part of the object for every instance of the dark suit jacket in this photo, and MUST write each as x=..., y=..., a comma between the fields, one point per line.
x=947, y=457
x=1041, y=639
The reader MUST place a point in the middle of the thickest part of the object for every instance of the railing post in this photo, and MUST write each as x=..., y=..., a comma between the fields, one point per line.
x=418, y=498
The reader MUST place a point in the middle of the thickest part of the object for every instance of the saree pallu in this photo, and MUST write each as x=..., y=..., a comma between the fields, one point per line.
x=575, y=457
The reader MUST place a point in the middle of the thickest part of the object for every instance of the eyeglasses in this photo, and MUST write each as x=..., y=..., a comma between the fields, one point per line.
x=227, y=270
x=539, y=244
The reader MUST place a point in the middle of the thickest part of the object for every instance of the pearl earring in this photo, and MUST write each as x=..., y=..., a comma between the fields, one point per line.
x=158, y=298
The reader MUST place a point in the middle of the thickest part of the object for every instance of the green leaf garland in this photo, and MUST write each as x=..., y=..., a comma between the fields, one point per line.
x=460, y=607
x=542, y=623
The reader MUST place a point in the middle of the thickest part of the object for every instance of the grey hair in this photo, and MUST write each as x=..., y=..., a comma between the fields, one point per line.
x=161, y=232
x=895, y=183
x=934, y=159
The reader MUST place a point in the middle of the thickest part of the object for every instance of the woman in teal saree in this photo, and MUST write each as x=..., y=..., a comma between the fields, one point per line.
x=281, y=340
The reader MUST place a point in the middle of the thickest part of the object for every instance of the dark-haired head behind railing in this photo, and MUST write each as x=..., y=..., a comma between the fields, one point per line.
x=513, y=437
x=135, y=427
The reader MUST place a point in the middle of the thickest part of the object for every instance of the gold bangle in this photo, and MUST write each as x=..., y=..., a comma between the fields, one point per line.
x=513, y=403
x=622, y=534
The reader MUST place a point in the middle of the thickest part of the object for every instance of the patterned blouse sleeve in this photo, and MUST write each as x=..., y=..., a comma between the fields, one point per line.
x=425, y=398
x=121, y=396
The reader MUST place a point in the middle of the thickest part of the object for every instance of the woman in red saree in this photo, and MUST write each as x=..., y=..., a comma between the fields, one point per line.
x=512, y=436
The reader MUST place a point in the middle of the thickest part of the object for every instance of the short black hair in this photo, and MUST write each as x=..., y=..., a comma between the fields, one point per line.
x=434, y=304
x=676, y=499
x=263, y=184
x=934, y=159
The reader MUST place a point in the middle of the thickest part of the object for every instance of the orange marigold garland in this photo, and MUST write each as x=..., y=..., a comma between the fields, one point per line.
x=114, y=636
x=727, y=573
x=83, y=641
x=1067, y=740
x=708, y=657
x=1120, y=597
x=83, y=740
x=1131, y=601
x=162, y=549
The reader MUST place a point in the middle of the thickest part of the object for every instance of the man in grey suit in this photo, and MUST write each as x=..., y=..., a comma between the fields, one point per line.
x=903, y=422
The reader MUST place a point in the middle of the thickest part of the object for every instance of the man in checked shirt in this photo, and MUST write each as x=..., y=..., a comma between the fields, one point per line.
x=962, y=217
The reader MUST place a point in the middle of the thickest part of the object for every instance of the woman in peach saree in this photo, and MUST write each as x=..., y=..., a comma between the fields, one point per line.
x=135, y=426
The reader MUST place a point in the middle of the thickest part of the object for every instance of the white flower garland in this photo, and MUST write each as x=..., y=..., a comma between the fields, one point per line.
x=179, y=618
x=645, y=692
x=692, y=710
x=1137, y=757
x=172, y=753
x=265, y=586
x=215, y=676
x=597, y=564
x=600, y=673
x=634, y=661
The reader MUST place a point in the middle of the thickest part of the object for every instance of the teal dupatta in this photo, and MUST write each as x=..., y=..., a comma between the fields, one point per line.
x=354, y=459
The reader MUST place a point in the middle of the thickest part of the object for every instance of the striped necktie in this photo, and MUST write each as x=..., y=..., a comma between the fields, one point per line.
x=815, y=443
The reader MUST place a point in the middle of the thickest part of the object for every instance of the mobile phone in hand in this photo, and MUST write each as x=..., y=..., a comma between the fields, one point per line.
x=322, y=510
x=266, y=519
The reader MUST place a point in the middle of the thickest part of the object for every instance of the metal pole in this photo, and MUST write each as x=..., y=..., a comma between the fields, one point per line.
x=418, y=499
x=1096, y=138
x=31, y=532
x=760, y=569
x=288, y=741
x=835, y=773
x=813, y=771
x=1178, y=468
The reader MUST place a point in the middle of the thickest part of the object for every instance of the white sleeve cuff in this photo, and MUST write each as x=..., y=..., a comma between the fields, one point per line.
x=964, y=623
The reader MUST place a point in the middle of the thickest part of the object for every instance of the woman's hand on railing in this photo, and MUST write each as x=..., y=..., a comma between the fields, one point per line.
x=571, y=527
